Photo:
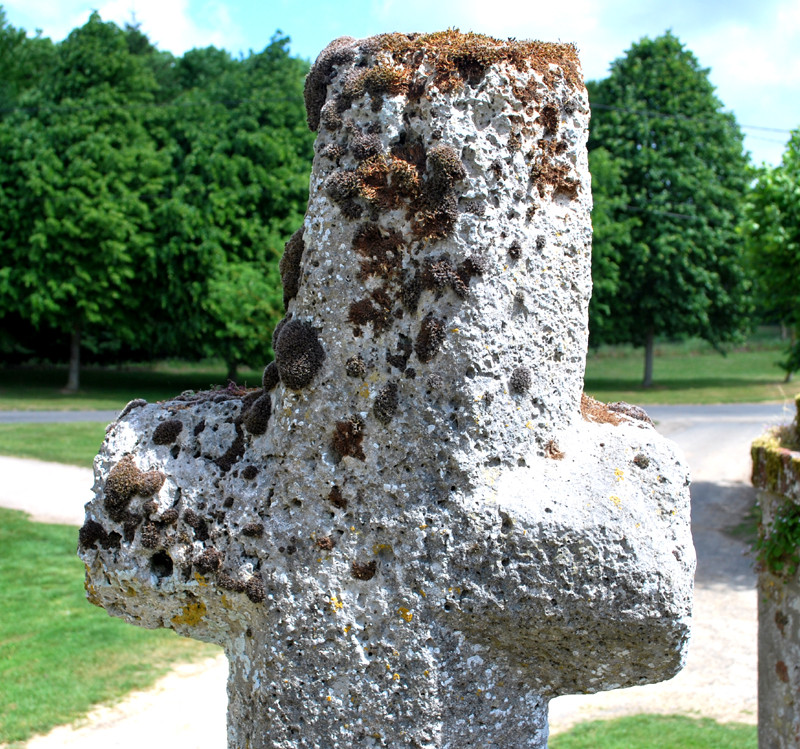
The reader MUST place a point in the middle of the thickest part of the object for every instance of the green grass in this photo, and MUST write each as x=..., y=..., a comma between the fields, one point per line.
x=75, y=443
x=689, y=373
x=657, y=732
x=104, y=388
x=59, y=655
x=685, y=372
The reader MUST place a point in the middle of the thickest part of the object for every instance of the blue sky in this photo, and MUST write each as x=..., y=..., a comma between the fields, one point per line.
x=751, y=46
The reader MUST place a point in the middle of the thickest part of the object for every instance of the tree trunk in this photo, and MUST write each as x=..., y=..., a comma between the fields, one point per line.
x=74, y=376
x=649, y=345
x=232, y=372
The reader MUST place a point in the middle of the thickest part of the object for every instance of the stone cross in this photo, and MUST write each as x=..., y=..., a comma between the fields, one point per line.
x=419, y=530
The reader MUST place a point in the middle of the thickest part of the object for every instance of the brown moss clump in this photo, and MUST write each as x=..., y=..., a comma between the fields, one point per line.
x=169, y=516
x=343, y=187
x=365, y=145
x=249, y=473
x=208, y=561
x=430, y=338
x=298, y=354
x=348, y=437
x=356, y=367
x=444, y=169
x=336, y=498
x=634, y=412
x=385, y=406
x=167, y=432
x=151, y=538
x=326, y=543
x=382, y=251
x=439, y=275
x=196, y=523
x=90, y=533
x=548, y=116
x=374, y=310
x=233, y=454
x=596, y=411
x=338, y=52
x=545, y=172
x=552, y=451
x=364, y=570
x=270, y=378
x=290, y=266
x=125, y=481
x=256, y=419
x=520, y=381
x=253, y=530
x=460, y=59
x=254, y=588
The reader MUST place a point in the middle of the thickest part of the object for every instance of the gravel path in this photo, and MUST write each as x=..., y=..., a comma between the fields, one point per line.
x=719, y=680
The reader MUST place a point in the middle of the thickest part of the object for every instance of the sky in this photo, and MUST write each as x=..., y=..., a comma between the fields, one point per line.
x=752, y=47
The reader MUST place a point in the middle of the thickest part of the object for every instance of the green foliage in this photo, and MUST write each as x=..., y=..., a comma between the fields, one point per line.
x=657, y=732
x=80, y=177
x=137, y=189
x=670, y=252
x=778, y=546
x=61, y=655
x=772, y=233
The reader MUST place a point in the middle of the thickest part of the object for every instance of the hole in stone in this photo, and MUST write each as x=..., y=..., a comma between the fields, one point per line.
x=161, y=564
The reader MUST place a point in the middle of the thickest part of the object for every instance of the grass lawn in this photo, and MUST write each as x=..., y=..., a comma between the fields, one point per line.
x=59, y=655
x=657, y=732
x=104, y=388
x=75, y=443
x=690, y=373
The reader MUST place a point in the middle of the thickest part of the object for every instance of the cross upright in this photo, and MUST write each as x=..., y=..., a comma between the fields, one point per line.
x=418, y=530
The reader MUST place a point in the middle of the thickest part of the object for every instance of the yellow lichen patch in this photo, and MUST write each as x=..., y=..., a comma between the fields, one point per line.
x=91, y=592
x=364, y=391
x=201, y=581
x=225, y=602
x=336, y=604
x=191, y=615
x=616, y=501
x=130, y=592
x=405, y=613
x=378, y=548
x=619, y=474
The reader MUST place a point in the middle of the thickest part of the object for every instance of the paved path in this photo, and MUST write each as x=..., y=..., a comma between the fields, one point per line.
x=187, y=708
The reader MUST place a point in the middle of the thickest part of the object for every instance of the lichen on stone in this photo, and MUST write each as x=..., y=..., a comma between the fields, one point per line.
x=386, y=403
x=348, y=437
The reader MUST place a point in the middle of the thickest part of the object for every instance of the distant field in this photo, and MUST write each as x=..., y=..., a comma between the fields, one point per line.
x=40, y=389
x=688, y=372
x=691, y=373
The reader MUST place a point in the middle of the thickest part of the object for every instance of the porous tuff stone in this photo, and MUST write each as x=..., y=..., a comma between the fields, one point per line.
x=487, y=548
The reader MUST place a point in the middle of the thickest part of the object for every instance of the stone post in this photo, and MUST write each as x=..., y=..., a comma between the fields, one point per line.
x=776, y=474
x=418, y=531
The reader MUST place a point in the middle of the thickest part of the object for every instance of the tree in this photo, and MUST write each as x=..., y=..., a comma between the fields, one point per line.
x=80, y=176
x=684, y=172
x=240, y=161
x=772, y=231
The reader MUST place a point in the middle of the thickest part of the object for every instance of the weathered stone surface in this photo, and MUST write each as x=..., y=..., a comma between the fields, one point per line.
x=437, y=539
x=776, y=473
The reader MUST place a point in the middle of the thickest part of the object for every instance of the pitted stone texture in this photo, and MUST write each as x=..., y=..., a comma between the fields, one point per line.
x=427, y=552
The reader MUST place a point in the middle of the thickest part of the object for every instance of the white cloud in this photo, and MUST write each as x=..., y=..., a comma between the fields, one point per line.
x=173, y=25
